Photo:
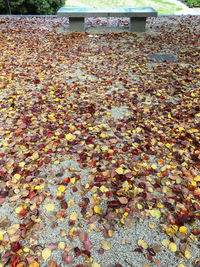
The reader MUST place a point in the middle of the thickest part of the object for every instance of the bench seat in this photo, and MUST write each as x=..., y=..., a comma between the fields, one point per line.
x=77, y=15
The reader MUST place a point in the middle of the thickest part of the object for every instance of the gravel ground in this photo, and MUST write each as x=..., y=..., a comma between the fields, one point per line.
x=124, y=240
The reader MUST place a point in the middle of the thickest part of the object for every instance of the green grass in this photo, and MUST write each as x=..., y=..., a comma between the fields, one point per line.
x=163, y=7
x=193, y=3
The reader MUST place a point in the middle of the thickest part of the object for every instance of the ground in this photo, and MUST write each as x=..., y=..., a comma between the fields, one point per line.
x=99, y=146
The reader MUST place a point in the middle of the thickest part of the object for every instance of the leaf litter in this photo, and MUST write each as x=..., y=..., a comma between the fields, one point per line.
x=77, y=176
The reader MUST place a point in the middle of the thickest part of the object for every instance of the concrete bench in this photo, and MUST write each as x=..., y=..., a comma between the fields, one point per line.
x=77, y=15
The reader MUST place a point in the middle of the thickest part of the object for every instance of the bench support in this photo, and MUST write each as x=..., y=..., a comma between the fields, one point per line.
x=77, y=24
x=137, y=24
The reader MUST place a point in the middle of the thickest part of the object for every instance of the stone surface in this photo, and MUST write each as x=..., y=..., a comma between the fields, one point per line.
x=107, y=12
x=137, y=15
x=162, y=57
x=137, y=24
x=77, y=24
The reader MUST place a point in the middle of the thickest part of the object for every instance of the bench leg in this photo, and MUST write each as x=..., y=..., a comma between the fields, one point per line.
x=77, y=24
x=138, y=24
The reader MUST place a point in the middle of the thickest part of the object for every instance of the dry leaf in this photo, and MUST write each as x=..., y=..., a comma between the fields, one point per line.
x=46, y=253
x=155, y=213
x=73, y=216
x=172, y=246
x=106, y=245
x=50, y=207
x=119, y=170
x=97, y=209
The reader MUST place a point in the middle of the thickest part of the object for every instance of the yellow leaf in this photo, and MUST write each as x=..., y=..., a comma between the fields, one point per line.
x=181, y=265
x=168, y=145
x=152, y=225
x=95, y=265
x=173, y=247
x=49, y=207
x=142, y=244
x=183, y=230
x=160, y=206
x=34, y=264
x=180, y=129
x=35, y=156
x=73, y=216
x=153, y=166
x=72, y=180
x=103, y=189
x=102, y=135
x=193, y=183
x=61, y=245
x=106, y=245
x=21, y=164
x=59, y=193
x=197, y=178
x=165, y=242
x=119, y=170
x=110, y=233
x=187, y=254
x=61, y=188
x=18, y=209
x=125, y=185
x=72, y=128
x=97, y=209
x=170, y=231
x=70, y=203
x=69, y=137
x=175, y=227
x=73, y=231
x=17, y=176
x=155, y=213
x=46, y=253
x=26, y=249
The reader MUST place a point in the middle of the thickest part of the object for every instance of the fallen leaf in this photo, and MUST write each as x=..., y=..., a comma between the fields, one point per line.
x=165, y=242
x=172, y=246
x=119, y=170
x=67, y=258
x=155, y=213
x=97, y=209
x=61, y=245
x=69, y=137
x=142, y=244
x=46, y=253
x=34, y=264
x=50, y=206
x=73, y=216
x=183, y=230
x=95, y=264
x=106, y=245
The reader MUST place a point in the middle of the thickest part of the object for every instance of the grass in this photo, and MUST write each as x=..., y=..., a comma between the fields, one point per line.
x=163, y=7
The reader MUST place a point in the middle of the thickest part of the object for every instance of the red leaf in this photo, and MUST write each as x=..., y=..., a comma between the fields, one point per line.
x=87, y=245
x=36, y=81
x=15, y=246
x=67, y=258
x=83, y=236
